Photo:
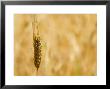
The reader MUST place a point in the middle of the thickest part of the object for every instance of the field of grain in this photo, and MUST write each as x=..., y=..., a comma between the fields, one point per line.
x=69, y=45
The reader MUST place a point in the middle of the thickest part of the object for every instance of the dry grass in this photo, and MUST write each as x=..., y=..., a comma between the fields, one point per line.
x=69, y=43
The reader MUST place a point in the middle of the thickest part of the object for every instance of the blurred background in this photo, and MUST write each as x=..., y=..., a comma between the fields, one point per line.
x=69, y=45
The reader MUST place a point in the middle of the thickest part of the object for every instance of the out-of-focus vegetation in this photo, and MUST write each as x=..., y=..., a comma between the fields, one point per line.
x=69, y=45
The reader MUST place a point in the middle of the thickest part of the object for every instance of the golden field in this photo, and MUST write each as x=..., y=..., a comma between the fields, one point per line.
x=69, y=45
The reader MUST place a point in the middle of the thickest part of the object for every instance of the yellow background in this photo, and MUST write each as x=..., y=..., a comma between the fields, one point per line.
x=69, y=44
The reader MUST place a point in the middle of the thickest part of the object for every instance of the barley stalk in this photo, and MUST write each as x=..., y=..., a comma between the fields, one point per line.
x=36, y=43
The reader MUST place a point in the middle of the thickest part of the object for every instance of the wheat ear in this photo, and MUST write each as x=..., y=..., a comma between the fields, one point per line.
x=36, y=43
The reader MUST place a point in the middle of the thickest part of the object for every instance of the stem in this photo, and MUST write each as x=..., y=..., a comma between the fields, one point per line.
x=37, y=71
